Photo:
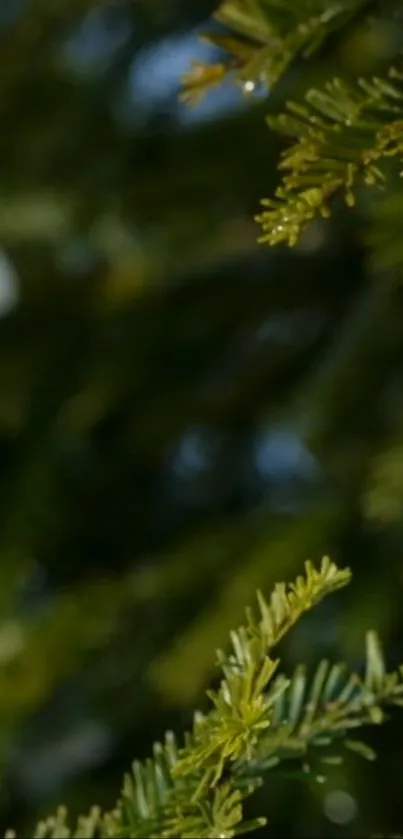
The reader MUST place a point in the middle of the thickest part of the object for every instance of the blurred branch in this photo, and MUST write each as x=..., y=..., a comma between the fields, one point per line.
x=267, y=37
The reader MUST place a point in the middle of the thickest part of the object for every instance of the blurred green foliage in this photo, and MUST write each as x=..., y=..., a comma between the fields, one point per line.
x=184, y=417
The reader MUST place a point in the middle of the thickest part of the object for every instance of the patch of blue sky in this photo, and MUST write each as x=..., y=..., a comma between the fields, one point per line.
x=156, y=78
x=155, y=74
x=280, y=454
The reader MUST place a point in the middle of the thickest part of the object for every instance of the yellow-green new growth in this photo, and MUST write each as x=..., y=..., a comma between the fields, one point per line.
x=259, y=719
x=342, y=136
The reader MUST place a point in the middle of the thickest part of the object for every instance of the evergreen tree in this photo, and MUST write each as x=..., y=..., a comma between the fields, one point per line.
x=134, y=245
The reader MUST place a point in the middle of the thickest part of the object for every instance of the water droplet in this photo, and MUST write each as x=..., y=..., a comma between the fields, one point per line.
x=249, y=86
x=256, y=87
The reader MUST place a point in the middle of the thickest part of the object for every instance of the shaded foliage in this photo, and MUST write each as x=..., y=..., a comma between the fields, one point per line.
x=183, y=417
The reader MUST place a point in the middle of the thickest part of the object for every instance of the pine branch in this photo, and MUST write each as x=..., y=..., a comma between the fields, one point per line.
x=257, y=721
x=248, y=670
x=242, y=709
x=56, y=827
x=317, y=716
x=266, y=36
x=342, y=136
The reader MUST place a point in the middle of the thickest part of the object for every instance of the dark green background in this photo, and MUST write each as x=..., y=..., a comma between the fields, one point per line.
x=153, y=349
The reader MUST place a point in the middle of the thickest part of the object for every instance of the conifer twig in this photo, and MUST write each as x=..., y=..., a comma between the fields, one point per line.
x=258, y=719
